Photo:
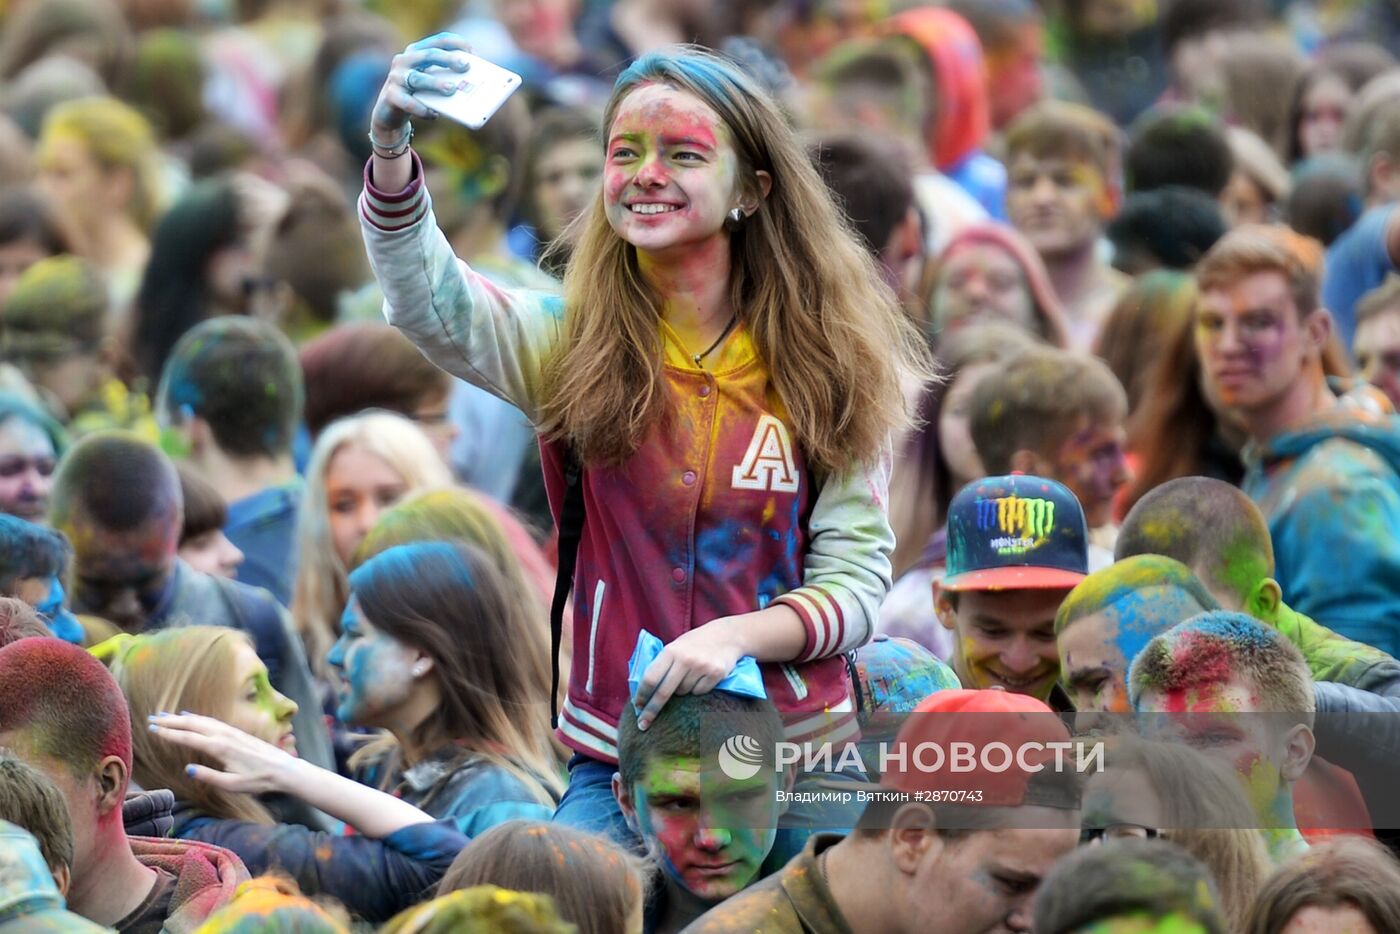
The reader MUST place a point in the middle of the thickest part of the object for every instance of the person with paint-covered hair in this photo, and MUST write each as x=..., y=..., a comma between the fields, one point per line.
x=418, y=656
x=33, y=565
x=709, y=834
x=737, y=436
x=1218, y=669
x=54, y=331
x=1218, y=531
x=595, y=883
x=235, y=744
x=271, y=904
x=1129, y=884
x=1107, y=619
x=465, y=515
x=30, y=445
x=65, y=715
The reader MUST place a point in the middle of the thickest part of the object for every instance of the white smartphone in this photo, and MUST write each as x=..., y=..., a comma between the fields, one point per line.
x=485, y=88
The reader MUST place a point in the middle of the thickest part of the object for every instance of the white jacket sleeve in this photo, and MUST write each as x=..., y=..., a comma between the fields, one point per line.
x=492, y=337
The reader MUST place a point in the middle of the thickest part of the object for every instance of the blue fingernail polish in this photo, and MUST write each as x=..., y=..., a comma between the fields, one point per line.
x=186, y=713
x=153, y=728
x=189, y=770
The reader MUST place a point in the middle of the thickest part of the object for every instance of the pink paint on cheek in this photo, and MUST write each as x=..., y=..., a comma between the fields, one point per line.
x=677, y=837
x=614, y=181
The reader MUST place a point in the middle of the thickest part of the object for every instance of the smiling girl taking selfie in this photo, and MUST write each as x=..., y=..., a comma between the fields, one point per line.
x=725, y=364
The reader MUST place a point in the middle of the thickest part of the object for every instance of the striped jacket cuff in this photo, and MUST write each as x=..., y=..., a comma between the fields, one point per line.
x=391, y=211
x=822, y=617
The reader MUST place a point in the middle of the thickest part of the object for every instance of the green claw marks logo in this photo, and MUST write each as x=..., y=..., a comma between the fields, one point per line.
x=1024, y=523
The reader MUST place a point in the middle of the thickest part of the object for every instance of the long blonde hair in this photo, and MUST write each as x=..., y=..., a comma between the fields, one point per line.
x=831, y=333
x=185, y=668
x=321, y=590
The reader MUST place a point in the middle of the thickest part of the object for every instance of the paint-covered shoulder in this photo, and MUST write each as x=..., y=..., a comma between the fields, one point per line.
x=1341, y=463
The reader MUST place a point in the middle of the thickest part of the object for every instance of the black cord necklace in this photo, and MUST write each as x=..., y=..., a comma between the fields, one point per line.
x=733, y=319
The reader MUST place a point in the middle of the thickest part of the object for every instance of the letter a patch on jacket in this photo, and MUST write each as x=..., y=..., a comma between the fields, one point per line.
x=768, y=462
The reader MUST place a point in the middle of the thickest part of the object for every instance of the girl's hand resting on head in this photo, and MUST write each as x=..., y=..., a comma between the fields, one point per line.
x=408, y=73
x=692, y=664
x=250, y=766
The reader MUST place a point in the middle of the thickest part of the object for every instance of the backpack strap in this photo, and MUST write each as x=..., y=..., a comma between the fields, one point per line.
x=571, y=516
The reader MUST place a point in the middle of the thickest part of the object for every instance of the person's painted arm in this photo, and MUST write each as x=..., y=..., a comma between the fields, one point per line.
x=492, y=337
x=847, y=571
x=251, y=766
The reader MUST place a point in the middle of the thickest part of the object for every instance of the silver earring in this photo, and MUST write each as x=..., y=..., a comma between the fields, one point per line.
x=734, y=219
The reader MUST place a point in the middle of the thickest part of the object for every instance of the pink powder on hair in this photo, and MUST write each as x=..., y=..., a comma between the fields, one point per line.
x=50, y=687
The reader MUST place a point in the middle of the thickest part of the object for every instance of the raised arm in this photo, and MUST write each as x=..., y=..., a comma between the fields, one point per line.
x=492, y=337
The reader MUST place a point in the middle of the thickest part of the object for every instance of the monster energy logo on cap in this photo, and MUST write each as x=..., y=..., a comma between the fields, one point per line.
x=1024, y=522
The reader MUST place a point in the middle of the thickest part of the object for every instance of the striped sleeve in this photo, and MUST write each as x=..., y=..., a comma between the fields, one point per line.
x=847, y=570
x=392, y=211
x=492, y=337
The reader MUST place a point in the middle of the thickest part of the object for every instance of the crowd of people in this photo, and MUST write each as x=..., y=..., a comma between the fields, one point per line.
x=401, y=524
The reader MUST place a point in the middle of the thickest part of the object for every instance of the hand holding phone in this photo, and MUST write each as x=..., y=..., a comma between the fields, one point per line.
x=480, y=91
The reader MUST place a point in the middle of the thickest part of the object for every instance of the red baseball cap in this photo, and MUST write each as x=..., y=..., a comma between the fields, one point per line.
x=1008, y=736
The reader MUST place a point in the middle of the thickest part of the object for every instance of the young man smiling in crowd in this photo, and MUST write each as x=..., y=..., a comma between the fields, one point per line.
x=1016, y=546
x=1323, y=469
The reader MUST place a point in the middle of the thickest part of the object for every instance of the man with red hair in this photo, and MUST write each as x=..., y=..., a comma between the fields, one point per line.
x=64, y=715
